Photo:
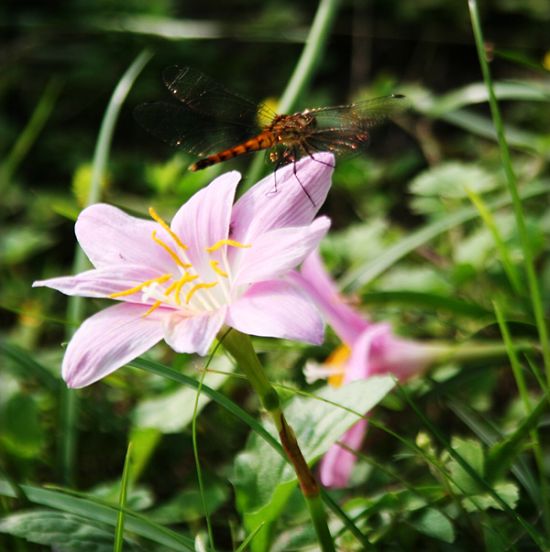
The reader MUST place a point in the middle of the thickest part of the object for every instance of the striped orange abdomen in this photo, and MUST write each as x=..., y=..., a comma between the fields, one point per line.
x=264, y=140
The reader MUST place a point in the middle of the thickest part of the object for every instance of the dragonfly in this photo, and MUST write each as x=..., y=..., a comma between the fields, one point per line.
x=215, y=124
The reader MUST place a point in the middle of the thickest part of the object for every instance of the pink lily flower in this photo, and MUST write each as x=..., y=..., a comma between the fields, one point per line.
x=216, y=264
x=368, y=348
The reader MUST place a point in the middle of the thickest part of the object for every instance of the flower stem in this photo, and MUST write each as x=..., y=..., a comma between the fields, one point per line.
x=239, y=346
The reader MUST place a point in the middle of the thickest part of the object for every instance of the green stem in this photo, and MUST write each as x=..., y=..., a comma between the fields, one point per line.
x=75, y=309
x=528, y=407
x=240, y=348
x=513, y=190
x=303, y=72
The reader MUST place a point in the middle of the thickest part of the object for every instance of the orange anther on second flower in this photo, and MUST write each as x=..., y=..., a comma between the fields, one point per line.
x=336, y=361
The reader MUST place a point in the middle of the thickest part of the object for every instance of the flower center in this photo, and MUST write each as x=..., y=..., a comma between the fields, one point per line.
x=191, y=289
x=333, y=368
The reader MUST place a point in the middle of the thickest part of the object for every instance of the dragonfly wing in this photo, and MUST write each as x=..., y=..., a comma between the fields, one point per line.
x=201, y=94
x=364, y=114
x=196, y=133
x=346, y=128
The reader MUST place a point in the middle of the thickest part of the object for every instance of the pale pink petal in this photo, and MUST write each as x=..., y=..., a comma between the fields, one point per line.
x=111, y=237
x=337, y=464
x=402, y=357
x=346, y=322
x=108, y=340
x=276, y=309
x=266, y=206
x=102, y=282
x=360, y=363
x=193, y=334
x=205, y=218
x=278, y=251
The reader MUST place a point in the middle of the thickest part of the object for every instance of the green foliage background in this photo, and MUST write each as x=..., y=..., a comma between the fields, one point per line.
x=455, y=461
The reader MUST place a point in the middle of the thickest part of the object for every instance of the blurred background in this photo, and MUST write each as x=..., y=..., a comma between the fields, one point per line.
x=59, y=64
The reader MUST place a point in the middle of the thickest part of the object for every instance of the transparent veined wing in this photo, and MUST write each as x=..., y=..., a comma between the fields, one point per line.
x=346, y=128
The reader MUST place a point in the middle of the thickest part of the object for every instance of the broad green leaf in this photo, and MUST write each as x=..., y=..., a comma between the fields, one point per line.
x=434, y=524
x=472, y=452
x=64, y=531
x=451, y=179
x=507, y=491
x=318, y=422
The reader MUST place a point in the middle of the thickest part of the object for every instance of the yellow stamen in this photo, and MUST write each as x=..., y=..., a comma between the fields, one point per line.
x=196, y=288
x=185, y=279
x=160, y=280
x=216, y=268
x=157, y=218
x=154, y=307
x=221, y=243
x=336, y=361
x=170, y=251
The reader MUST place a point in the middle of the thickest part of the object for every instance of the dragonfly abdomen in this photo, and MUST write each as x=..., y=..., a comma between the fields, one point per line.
x=263, y=140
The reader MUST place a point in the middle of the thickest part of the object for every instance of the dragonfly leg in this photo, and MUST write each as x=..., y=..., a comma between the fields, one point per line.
x=300, y=182
x=311, y=150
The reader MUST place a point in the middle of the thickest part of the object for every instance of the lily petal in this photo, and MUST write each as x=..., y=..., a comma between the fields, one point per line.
x=277, y=309
x=337, y=464
x=101, y=282
x=279, y=201
x=108, y=340
x=111, y=237
x=193, y=334
x=278, y=251
x=205, y=218
x=346, y=322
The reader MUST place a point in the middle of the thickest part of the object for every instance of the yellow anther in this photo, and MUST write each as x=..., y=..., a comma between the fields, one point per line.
x=185, y=279
x=196, y=288
x=216, y=268
x=159, y=280
x=156, y=218
x=170, y=251
x=221, y=243
x=153, y=307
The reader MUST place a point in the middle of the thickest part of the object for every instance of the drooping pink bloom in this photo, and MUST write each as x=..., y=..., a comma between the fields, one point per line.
x=216, y=264
x=368, y=348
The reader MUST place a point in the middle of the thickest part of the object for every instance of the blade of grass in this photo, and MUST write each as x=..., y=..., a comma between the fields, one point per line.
x=369, y=271
x=303, y=72
x=94, y=509
x=487, y=217
x=529, y=413
x=471, y=471
x=75, y=308
x=119, y=531
x=30, y=133
x=534, y=290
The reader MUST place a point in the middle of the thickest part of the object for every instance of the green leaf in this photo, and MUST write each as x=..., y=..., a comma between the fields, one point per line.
x=318, y=422
x=64, y=531
x=507, y=491
x=434, y=524
x=472, y=452
x=451, y=179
